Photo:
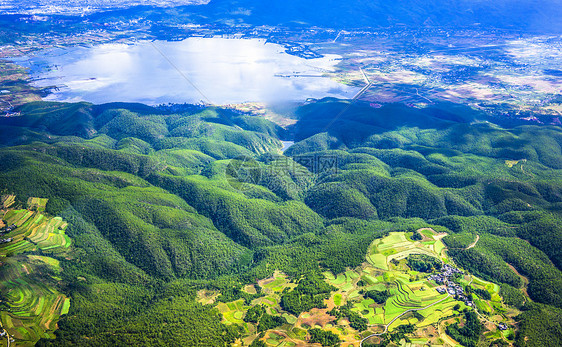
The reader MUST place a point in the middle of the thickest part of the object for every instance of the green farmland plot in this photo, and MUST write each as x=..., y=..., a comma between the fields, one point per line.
x=34, y=232
x=427, y=233
x=233, y=312
x=396, y=247
x=37, y=204
x=32, y=304
x=32, y=307
x=337, y=299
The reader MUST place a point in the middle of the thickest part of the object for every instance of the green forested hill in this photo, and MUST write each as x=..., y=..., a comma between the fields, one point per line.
x=155, y=213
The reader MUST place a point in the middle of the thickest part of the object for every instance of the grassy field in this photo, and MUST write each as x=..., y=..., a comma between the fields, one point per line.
x=28, y=283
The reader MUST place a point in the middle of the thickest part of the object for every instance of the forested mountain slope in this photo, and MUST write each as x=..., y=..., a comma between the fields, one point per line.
x=155, y=212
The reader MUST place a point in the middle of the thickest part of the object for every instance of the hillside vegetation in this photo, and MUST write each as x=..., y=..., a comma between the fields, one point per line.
x=157, y=208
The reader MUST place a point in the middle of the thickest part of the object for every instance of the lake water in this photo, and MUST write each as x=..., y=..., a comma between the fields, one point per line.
x=214, y=70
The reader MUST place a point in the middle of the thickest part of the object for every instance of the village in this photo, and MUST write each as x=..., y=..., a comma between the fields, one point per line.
x=445, y=278
x=7, y=230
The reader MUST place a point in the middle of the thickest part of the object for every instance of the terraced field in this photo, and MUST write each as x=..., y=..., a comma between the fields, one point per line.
x=32, y=305
x=406, y=299
x=34, y=231
x=405, y=296
x=7, y=201
x=34, y=308
x=396, y=247
x=37, y=204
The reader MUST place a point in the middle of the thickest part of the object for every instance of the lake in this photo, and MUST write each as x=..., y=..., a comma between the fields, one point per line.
x=213, y=70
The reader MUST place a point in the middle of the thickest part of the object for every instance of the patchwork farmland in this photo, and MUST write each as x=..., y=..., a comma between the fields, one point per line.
x=31, y=305
x=413, y=300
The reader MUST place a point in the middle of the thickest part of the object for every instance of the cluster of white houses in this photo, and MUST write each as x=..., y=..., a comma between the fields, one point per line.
x=7, y=230
x=448, y=286
x=447, y=271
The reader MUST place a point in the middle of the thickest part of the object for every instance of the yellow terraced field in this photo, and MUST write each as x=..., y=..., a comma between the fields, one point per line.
x=8, y=201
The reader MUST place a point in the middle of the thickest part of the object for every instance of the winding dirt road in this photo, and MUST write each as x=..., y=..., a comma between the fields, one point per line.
x=474, y=243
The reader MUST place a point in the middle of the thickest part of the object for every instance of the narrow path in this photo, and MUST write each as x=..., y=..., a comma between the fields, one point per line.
x=400, y=315
x=484, y=318
x=444, y=336
x=525, y=281
x=364, y=75
x=474, y=243
x=364, y=89
x=339, y=33
x=423, y=97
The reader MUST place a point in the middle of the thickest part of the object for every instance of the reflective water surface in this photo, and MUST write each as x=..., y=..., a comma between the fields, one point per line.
x=213, y=70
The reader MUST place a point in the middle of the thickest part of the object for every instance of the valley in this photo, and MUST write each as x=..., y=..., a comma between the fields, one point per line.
x=283, y=173
x=153, y=198
x=189, y=217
